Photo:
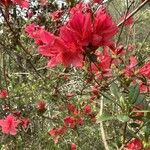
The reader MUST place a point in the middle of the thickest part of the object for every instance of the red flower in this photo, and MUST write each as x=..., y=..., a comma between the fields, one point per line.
x=80, y=7
x=21, y=3
x=9, y=125
x=145, y=70
x=5, y=2
x=71, y=107
x=25, y=122
x=41, y=106
x=56, y=132
x=70, y=121
x=3, y=93
x=68, y=48
x=98, y=1
x=104, y=29
x=60, y=52
x=56, y=15
x=128, y=21
x=79, y=29
x=130, y=69
x=87, y=109
x=104, y=60
x=135, y=144
x=30, y=13
x=73, y=146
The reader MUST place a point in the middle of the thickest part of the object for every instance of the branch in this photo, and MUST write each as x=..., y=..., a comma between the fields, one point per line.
x=134, y=12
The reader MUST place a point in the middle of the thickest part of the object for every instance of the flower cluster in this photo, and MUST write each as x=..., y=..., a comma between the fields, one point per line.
x=81, y=35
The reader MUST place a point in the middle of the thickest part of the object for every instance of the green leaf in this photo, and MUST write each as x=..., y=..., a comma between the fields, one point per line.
x=122, y=118
x=103, y=117
x=133, y=94
x=115, y=91
x=140, y=98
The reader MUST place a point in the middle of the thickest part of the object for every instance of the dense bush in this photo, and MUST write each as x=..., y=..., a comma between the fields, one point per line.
x=74, y=75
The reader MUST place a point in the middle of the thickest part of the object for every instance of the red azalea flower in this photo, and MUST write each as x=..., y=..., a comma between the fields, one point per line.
x=79, y=29
x=25, y=122
x=56, y=15
x=130, y=69
x=70, y=121
x=145, y=70
x=5, y=2
x=71, y=108
x=21, y=3
x=128, y=21
x=80, y=7
x=30, y=13
x=87, y=109
x=41, y=106
x=9, y=125
x=103, y=29
x=3, y=94
x=98, y=1
x=68, y=47
x=73, y=146
x=135, y=144
x=56, y=132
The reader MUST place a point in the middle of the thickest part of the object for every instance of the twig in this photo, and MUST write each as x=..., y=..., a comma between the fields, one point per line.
x=133, y=12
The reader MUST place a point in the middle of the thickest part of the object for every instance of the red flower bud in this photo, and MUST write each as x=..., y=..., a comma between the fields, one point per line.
x=41, y=106
x=73, y=146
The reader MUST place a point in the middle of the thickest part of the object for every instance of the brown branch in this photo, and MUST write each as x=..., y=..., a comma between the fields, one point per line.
x=134, y=12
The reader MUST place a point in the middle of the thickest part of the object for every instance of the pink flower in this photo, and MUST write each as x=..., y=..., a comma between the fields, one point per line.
x=9, y=125
x=145, y=70
x=135, y=144
x=104, y=29
x=21, y=3
x=3, y=94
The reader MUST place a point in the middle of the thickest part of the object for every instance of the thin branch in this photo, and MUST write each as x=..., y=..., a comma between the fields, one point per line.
x=133, y=12
x=102, y=128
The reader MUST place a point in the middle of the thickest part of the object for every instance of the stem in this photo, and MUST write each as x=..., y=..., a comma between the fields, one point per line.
x=124, y=132
x=102, y=128
x=133, y=12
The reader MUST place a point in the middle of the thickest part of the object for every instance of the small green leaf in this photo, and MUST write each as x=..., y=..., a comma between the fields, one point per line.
x=122, y=118
x=115, y=91
x=103, y=117
x=133, y=94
